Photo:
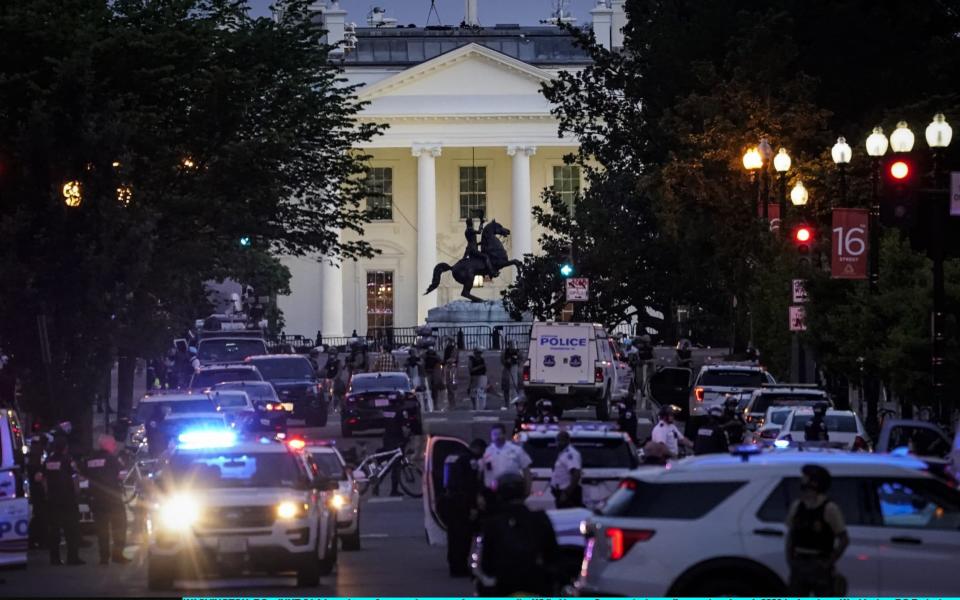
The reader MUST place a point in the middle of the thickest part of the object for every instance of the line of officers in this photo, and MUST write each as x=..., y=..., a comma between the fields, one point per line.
x=483, y=493
x=54, y=483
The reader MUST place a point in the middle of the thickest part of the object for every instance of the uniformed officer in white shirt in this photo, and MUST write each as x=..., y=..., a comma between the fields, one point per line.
x=565, y=479
x=666, y=433
x=503, y=456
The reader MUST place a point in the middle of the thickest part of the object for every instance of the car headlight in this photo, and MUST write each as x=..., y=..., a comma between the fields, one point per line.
x=288, y=510
x=338, y=501
x=179, y=513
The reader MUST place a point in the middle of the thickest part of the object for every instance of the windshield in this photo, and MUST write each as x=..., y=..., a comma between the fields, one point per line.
x=765, y=401
x=388, y=383
x=779, y=417
x=231, y=400
x=234, y=470
x=202, y=404
x=229, y=350
x=840, y=423
x=599, y=453
x=205, y=379
x=259, y=391
x=330, y=466
x=284, y=368
x=733, y=378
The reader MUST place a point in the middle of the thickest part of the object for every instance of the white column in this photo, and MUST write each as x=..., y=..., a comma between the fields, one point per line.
x=602, y=18
x=426, y=225
x=619, y=21
x=331, y=299
x=521, y=227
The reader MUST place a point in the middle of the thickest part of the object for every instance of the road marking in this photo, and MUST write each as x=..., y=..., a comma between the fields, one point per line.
x=374, y=535
x=384, y=500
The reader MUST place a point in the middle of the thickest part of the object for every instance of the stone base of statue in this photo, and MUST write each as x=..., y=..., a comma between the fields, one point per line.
x=463, y=313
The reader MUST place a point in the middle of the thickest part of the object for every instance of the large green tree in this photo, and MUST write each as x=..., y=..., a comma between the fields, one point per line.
x=214, y=124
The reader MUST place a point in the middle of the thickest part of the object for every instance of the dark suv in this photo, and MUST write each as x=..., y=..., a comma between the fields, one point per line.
x=295, y=380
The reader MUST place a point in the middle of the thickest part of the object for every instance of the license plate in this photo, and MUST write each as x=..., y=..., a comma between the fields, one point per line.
x=562, y=389
x=389, y=414
x=232, y=545
x=381, y=402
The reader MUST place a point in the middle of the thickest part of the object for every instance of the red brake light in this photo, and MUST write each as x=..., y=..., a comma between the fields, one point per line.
x=621, y=540
x=628, y=484
x=860, y=444
x=698, y=394
x=526, y=372
x=598, y=374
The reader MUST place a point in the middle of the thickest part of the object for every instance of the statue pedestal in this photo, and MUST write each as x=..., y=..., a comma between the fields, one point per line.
x=463, y=313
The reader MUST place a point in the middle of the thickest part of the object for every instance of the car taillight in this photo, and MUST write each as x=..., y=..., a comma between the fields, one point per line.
x=621, y=540
x=860, y=444
x=526, y=373
x=698, y=394
x=628, y=484
x=598, y=374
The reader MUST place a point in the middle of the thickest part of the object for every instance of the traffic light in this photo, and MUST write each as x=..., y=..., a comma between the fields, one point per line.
x=566, y=269
x=898, y=201
x=245, y=241
x=803, y=238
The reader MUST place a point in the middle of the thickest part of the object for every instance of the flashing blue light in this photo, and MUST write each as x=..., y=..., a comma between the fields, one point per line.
x=207, y=438
x=781, y=443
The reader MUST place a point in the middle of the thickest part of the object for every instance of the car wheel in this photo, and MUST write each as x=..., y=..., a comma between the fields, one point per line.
x=308, y=575
x=352, y=541
x=603, y=409
x=160, y=574
x=330, y=560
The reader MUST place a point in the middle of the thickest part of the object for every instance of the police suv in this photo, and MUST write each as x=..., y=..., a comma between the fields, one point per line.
x=229, y=505
x=575, y=365
x=606, y=454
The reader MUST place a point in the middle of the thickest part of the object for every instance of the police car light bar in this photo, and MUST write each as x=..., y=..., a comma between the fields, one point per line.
x=206, y=438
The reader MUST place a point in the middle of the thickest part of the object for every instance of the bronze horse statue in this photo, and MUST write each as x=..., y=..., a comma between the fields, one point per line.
x=468, y=267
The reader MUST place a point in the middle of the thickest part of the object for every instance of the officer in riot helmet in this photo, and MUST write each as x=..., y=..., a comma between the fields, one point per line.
x=711, y=436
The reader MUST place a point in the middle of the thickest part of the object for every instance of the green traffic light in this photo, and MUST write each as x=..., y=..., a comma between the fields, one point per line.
x=245, y=241
x=566, y=269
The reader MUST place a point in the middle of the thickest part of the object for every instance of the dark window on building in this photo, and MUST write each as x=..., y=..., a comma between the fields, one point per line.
x=380, y=193
x=473, y=192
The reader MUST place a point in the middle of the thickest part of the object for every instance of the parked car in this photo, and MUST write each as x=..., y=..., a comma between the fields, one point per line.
x=781, y=394
x=271, y=414
x=715, y=381
x=209, y=376
x=372, y=398
x=844, y=428
x=346, y=500
x=14, y=504
x=772, y=422
x=296, y=382
x=574, y=365
x=652, y=537
x=226, y=348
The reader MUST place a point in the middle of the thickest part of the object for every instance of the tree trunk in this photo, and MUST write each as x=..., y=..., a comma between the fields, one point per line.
x=871, y=390
x=126, y=367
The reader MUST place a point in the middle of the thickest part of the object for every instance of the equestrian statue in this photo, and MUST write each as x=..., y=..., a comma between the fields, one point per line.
x=485, y=258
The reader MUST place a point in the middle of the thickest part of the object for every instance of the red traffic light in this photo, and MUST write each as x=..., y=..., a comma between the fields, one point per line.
x=803, y=234
x=899, y=170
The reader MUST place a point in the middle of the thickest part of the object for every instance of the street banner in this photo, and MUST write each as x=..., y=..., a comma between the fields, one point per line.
x=578, y=289
x=955, y=194
x=799, y=291
x=773, y=215
x=849, y=253
x=798, y=318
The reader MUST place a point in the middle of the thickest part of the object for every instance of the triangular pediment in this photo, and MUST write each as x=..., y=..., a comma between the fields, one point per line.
x=472, y=70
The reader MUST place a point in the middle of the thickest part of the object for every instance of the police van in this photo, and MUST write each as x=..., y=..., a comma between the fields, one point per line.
x=575, y=365
x=14, y=505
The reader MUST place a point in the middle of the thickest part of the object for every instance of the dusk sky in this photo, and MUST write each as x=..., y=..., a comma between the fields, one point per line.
x=523, y=12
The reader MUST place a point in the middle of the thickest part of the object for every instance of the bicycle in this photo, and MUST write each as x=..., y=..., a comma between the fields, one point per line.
x=377, y=466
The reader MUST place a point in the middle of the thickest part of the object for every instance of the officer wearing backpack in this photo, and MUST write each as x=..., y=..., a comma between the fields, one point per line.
x=816, y=537
x=519, y=545
x=816, y=428
x=711, y=436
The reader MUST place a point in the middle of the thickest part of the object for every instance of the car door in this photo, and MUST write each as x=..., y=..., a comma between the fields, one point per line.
x=439, y=448
x=763, y=527
x=919, y=519
x=14, y=505
x=670, y=385
x=920, y=438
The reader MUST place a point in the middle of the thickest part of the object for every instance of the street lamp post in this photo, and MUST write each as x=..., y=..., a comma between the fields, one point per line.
x=938, y=135
x=766, y=153
x=752, y=162
x=876, y=147
x=841, y=154
x=781, y=162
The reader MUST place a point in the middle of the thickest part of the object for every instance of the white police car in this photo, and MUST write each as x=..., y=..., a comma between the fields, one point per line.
x=607, y=456
x=14, y=503
x=714, y=526
x=230, y=506
x=346, y=500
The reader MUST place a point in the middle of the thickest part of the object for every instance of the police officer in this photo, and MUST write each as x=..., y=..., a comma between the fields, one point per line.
x=732, y=421
x=106, y=501
x=156, y=438
x=711, y=436
x=510, y=362
x=501, y=457
x=816, y=428
x=627, y=418
x=393, y=437
x=459, y=502
x=665, y=432
x=816, y=537
x=565, y=479
x=63, y=513
x=38, y=530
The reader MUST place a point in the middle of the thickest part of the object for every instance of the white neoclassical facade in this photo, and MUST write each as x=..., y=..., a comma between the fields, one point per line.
x=469, y=130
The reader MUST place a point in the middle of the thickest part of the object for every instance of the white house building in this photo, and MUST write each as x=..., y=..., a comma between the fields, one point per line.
x=469, y=130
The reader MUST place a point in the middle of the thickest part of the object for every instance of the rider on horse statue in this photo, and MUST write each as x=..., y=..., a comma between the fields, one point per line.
x=473, y=246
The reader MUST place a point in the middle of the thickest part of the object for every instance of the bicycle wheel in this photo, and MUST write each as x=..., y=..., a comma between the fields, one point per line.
x=411, y=480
